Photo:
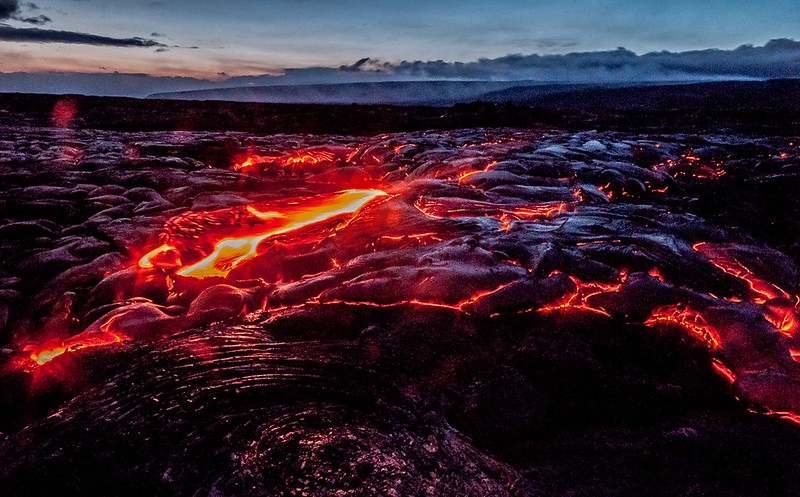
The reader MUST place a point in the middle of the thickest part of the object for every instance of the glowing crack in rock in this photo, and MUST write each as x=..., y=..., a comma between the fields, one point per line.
x=299, y=158
x=450, y=208
x=688, y=319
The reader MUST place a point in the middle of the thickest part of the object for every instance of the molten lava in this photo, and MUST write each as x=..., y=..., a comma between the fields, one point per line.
x=585, y=290
x=690, y=166
x=723, y=371
x=783, y=317
x=688, y=319
x=763, y=290
x=450, y=208
x=299, y=158
x=105, y=334
x=779, y=307
x=238, y=239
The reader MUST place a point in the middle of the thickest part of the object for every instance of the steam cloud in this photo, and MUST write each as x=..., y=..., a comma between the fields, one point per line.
x=777, y=59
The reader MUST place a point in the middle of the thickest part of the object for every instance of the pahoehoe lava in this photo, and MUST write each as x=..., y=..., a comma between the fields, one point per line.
x=479, y=311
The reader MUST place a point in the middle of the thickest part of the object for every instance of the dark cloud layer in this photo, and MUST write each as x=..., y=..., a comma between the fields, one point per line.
x=777, y=59
x=37, y=35
x=10, y=10
x=37, y=20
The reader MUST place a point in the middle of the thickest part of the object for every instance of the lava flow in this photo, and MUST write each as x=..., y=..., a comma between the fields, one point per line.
x=457, y=207
x=375, y=307
x=780, y=308
x=98, y=335
x=687, y=319
x=215, y=243
x=300, y=158
x=250, y=226
x=762, y=290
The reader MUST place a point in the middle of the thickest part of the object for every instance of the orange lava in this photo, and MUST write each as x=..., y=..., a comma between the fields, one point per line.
x=609, y=192
x=693, y=167
x=788, y=416
x=689, y=320
x=585, y=290
x=459, y=306
x=231, y=250
x=464, y=175
x=47, y=351
x=451, y=208
x=106, y=335
x=729, y=264
x=779, y=307
x=301, y=157
x=157, y=256
x=723, y=371
x=782, y=317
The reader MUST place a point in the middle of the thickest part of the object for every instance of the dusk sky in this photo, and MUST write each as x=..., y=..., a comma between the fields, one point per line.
x=212, y=40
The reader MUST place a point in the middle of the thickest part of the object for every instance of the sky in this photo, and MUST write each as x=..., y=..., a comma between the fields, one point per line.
x=172, y=44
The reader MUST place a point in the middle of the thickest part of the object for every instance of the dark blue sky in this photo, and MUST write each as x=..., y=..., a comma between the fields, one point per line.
x=211, y=39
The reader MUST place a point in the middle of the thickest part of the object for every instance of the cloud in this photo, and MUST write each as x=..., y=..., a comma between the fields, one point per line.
x=10, y=10
x=355, y=67
x=37, y=20
x=37, y=35
x=777, y=59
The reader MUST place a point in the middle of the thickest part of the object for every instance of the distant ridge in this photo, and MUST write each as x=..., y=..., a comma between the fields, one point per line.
x=783, y=94
x=389, y=92
x=771, y=106
x=573, y=96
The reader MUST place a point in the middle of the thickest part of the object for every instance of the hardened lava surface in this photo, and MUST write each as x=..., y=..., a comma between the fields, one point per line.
x=469, y=312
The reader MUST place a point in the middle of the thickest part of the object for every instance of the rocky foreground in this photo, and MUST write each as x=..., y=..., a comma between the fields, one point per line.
x=504, y=311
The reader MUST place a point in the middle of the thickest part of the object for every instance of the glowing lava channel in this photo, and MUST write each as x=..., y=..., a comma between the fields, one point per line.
x=230, y=252
x=105, y=335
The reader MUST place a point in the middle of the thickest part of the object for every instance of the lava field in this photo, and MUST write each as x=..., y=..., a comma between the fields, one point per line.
x=524, y=311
